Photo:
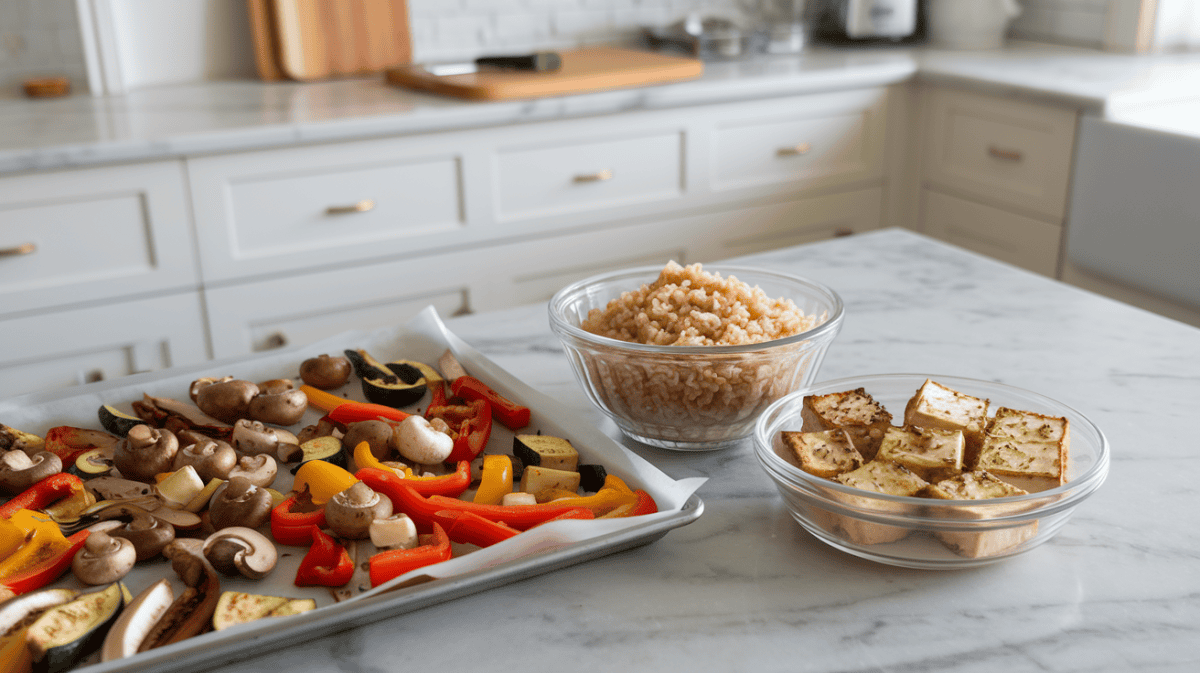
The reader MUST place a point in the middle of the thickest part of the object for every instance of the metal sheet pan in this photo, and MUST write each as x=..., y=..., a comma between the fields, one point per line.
x=560, y=544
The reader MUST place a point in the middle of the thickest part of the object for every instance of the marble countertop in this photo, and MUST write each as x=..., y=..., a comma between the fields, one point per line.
x=744, y=588
x=225, y=116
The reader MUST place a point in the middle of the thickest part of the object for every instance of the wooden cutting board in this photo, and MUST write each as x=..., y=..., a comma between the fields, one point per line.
x=321, y=39
x=583, y=70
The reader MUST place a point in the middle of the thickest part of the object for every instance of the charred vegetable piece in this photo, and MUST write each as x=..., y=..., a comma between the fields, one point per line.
x=237, y=607
x=67, y=633
x=546, y=451
x=68, y=442
x=116, y=421
x=591, y=477
x=92, y=464
x=136, y=620
x=396, y=384
x=328, y=449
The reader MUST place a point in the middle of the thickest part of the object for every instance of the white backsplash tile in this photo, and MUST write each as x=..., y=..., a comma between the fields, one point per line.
x=39, y=38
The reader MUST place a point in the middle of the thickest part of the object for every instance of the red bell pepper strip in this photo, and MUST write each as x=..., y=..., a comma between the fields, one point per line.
x=353, y=412
x=395, y=562
x=643, y=505
x=521, y=517
x=470, y=528
x=294, y=528
x=472, y=422
x=512, y=415
x=451, y=485
x=47, y=570
x=400, y=491
x=327, y=563
x=43, y=494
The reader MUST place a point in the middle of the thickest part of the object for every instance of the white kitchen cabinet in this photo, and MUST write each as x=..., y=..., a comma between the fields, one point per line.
x=995, y=175
x=1023, y=241
x=100, y=342
x=79, y=236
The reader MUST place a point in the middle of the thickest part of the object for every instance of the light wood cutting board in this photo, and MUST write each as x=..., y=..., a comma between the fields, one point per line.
x=320, y=39
x=583, y=70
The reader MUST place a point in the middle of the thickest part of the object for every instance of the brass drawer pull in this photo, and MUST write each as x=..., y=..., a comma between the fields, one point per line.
x=794, y=150
x=598, y=176
x=360, y=207
x=1005, y=155
x=17, y=251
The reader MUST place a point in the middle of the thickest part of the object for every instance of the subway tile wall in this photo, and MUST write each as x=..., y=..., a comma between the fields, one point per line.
x=460, y=28
x=39, y=38
x=1075, y=22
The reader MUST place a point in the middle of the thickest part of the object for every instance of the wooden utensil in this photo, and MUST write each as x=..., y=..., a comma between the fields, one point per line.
x=319, y=39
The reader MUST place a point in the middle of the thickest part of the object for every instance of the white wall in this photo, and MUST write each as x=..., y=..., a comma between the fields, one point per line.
x=39, y=38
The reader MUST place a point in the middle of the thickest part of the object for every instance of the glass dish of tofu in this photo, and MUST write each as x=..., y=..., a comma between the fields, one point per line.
x=929, y=471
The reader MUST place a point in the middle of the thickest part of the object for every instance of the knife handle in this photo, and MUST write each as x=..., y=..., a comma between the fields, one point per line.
x=541, y=61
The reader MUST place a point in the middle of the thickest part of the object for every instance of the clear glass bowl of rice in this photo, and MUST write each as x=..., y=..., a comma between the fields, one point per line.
x=686, y=358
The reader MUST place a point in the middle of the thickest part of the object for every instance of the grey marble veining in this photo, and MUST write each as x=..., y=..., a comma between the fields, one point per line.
x=226, y=116
x=744, y=588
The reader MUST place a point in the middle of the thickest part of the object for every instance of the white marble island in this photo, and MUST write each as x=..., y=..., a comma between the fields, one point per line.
x=745, y=589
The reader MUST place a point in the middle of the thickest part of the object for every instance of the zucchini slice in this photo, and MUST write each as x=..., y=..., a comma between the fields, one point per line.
x=396, y=384
x=67, y=633
x=324, y=448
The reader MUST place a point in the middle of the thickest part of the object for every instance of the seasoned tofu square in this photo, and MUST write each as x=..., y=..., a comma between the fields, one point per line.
x=854, y=411
x=936, y=406
x=980, y=485
x=880, y=477
x=823, y=454
x=932, y=453
x=1027, y=449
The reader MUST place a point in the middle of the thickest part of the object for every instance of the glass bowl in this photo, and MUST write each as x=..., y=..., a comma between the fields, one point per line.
x=691, y=398
x=918, y=532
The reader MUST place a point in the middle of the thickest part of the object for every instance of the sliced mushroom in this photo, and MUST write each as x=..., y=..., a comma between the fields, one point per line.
x=192, y=611
x=349, y=514
x=241, y=551
x=226, y=400
x=252, y=437
x=322, y=428
x=260, y=470
x=145, y=452
x=326, y=371
x=116, y=488
x=285, y=407
x=240, y=503
x=12, y=439
x=377, y=434
x=211, y=458
x=394, y=532
x=149, y=534
x=103, y=559
x=18, y=471
x=136, y=621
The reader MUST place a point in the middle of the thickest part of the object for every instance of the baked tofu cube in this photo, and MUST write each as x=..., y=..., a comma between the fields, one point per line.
x=1027, y=449
x=931, y=453
x=823, y=454
x=880, y=477
x=854, y=411
x=936, y=406
x=535, y=479
x=980, y=485
x=547, y=451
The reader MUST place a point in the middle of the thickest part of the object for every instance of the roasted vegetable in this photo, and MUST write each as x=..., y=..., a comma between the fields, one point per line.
x=67, y=633
x=237, y=607
x=396, y=384
x=116, y=421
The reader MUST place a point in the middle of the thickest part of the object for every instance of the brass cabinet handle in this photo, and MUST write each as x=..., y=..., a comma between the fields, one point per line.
x=360, y=207
x=1005, y=155
x=17, y=251
x=794, y=150
x=598, y=176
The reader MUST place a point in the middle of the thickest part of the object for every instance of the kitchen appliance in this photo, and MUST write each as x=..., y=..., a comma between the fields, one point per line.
x=866, y=19
x=970, y=24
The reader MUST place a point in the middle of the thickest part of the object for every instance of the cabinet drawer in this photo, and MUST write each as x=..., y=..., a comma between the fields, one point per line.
x=65, y=348
x=1005, y=151
x=814, y=141
x=85, y=235
x=1022, y=241
x=309, y=207
x=539, y=180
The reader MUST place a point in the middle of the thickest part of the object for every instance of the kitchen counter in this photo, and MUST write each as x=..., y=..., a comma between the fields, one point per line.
x=226, y=116
x=746, y=589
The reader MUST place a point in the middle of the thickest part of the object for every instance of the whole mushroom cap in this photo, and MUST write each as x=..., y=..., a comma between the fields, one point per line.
x=226, y=400
x=18, y=471
x=103, y=559
x=325, y=371
x=349, y=513
x=145, y=452
x=286, y=407
x=240, y=503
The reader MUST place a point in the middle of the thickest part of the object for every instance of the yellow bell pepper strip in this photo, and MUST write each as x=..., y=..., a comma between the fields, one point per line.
x=468, y=528
x=496, y=480
x=46, y=570
x=321, y=399
x=323, y=480
x=12, y=537
x=512, y=415
x=292, y=520
x=393, y=563
x=364, y=457
x=326, y=564
x=42, y=494
x=613, y=481
x=603, y=501
x=41, y=539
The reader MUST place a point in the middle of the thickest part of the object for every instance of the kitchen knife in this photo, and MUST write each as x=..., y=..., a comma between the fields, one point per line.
x=542, y=61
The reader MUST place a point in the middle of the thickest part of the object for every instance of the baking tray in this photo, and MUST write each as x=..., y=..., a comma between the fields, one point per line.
x=532, y=553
